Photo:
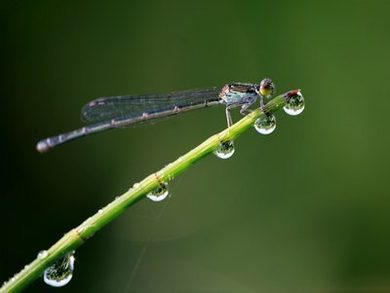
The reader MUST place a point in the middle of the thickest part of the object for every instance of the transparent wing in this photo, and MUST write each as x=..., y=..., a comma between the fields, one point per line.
x=124, y=111
x=133, y=106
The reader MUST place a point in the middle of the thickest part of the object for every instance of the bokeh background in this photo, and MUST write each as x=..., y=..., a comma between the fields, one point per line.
x=305, y=209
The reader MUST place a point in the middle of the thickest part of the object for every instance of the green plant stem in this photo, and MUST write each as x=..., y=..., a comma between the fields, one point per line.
x=77, y=236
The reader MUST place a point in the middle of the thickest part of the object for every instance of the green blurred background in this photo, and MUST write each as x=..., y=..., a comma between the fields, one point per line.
x=305, y=209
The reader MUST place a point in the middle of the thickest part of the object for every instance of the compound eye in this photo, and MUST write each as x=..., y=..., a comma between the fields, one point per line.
x=267, y=88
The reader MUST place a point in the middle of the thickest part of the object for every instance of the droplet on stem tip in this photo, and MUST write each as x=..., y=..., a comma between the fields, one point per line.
x=295, y=103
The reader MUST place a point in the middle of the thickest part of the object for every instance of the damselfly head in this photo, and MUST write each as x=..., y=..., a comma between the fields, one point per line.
x=267, y=87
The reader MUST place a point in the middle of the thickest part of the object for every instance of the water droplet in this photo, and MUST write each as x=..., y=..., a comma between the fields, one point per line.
x=225, y=150
x=100, y=211
x=136, y=185
x=159, y=193
x=265, y=124
x=61, y=272
x=295, y=105
x=42, y=254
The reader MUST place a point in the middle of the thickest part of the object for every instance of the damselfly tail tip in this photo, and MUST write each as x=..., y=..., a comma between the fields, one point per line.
x=43, y=146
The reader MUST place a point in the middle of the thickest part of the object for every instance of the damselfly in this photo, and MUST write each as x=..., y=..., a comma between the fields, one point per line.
x=123, y=111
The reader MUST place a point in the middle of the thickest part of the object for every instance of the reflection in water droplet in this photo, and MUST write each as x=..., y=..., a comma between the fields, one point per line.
x=61, y=272
x=295, y=105
x=225, y=150
x=42, y=254
x=159, y=193
x=265, y=124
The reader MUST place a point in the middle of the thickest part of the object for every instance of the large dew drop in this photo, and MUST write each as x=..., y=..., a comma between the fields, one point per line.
x=61, y=272
x=265, y=124
x=225, y=150
x=295, y=105
x=159, y=193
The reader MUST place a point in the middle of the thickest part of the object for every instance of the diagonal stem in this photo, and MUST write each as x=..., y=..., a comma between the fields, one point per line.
x=77, y=236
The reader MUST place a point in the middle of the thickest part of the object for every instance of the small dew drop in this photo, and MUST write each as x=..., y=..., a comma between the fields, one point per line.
x=265, y=124
x=136, y=185
x=100, y=211
x=159, y=193
x=42, y=254
x=225, y=150
x=61, y=272
x=295, y=105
